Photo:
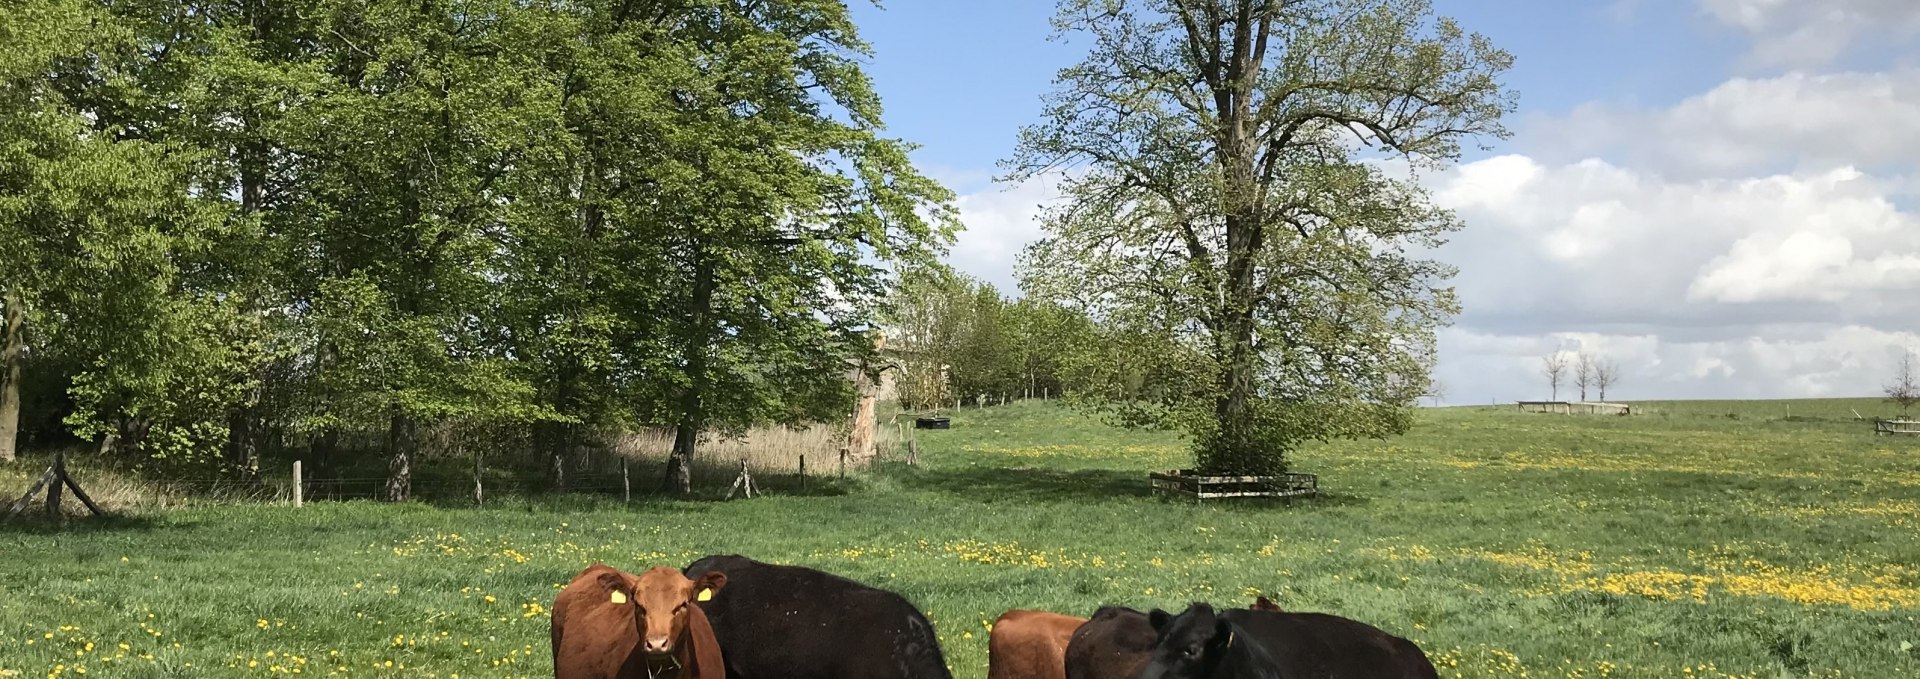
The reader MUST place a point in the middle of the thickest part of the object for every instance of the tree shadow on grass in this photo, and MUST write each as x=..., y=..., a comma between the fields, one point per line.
x=35, y=522
x=1041, y=485
x=1029, y=484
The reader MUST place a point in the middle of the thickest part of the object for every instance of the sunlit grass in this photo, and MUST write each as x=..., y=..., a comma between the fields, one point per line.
x=1680, y=543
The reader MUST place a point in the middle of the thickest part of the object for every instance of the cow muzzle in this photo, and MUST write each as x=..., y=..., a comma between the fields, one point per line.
x=659, y=645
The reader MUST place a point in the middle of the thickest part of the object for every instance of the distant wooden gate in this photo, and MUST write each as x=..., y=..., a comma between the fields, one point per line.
x=1893, y=427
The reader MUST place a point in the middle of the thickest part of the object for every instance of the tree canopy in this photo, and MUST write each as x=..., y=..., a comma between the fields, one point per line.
x=1231, y=207
x=335, y=228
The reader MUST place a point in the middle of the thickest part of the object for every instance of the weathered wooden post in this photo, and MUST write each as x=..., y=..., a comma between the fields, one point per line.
x=297, y=495
x=626, y=484
x=843, y=464
x=559, y=474
x=803, y=472
x=53, y=492
x=479, y=491
x=913, y=452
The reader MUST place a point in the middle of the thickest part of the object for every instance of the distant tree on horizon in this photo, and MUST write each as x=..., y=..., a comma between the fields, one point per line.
x=1554, y=366
x=1606, y=373
x=1904, y=391
x=1583, y=372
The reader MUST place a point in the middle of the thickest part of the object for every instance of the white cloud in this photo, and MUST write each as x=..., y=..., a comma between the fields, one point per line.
x=1814, y=32
x=1793, y=121
x=1000, y=219
x=1781, y=362
x=1596, y=244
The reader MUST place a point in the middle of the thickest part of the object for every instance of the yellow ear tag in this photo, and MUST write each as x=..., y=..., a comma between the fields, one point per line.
x=619, y=598
x=705, y=595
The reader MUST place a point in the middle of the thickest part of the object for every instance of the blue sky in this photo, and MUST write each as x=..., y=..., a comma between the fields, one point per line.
x=961, y=78
x=1717, y=194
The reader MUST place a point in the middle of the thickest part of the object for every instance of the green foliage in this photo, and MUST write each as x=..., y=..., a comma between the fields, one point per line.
x=957, y=339
x=1228, y=221
x=107, y=246
x=317, y=226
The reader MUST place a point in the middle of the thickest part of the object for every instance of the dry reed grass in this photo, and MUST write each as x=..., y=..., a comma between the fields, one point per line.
x=766, y=449
x=117, y=491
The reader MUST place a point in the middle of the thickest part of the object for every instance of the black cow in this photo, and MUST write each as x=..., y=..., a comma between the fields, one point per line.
x=789, y=622
x=1117, y=642
x=1243, y=644
x=1113, y=644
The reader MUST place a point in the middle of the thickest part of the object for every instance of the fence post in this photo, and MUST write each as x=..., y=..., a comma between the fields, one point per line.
x=803, y=472
x=559, y=473
x=479, y=491
x=913, y=452
x=297, y=495
x=59, y=482
x=843, y=464
x=626, y=485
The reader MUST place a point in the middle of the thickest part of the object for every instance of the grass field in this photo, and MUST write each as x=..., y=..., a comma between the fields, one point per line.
x=1700, y=539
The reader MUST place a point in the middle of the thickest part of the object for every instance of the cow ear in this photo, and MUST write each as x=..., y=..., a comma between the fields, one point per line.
x=709, y=583
x=615, y=583
x=1223, y=632
x=1262, y=603
x=1158, y=618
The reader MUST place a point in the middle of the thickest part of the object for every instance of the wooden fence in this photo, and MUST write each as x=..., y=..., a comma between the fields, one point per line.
x=1896, y=427
x=1575, y=408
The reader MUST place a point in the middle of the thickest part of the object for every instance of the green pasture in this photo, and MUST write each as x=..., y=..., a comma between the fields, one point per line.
x=1696, y=539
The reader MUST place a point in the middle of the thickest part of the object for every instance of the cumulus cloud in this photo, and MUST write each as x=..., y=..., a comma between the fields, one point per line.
x=1000, y=219
x=1793, y=121
x=1779, y=362
x=1814, y=32
x=1795, y=284
x=1591, y=234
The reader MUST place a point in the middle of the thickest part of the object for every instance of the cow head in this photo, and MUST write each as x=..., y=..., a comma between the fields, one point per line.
x=1192, y=644
x=660, y=598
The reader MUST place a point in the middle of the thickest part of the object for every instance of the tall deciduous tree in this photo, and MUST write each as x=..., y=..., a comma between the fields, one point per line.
x=101, y=231
x=778, y=205
x=1224, y=193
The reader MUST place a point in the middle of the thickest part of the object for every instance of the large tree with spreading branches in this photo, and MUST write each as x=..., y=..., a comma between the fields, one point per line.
x=1227, y=189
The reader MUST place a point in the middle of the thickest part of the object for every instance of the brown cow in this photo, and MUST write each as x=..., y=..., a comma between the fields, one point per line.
x=612, y=625
x=1027, y=644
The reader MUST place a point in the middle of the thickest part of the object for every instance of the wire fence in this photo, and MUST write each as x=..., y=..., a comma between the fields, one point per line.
x=446, y=484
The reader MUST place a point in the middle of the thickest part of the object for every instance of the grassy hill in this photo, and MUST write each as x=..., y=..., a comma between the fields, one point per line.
x=1700, y=539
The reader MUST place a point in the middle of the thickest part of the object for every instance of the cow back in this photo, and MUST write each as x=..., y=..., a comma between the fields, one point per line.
x=1027, y=644
x=1322, y=645
x=1113, y=644
x=789, y=622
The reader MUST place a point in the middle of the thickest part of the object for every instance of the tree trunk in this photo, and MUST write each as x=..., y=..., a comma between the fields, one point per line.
x=679, y=477
x=400, y=443
x=243, y=442
x=323, y=477
x=1232, y=76
x=10, y=359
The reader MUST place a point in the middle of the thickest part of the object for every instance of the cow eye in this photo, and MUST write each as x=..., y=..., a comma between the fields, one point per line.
x=681, y=607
